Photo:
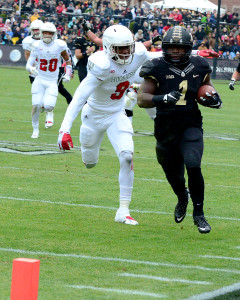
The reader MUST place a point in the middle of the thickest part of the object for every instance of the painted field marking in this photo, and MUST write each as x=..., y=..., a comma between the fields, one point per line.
x=126, y=292
x=165, y=279
x=108, y=207
x=216, y=293
x=220, y=257
x=131, y=261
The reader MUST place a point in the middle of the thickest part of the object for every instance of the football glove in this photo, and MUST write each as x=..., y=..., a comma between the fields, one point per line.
x=212, y=101
x=208, y=53
x=32, y=70
x=231, y=84
x=130, y=100
x=156, y=39
x=68, y=75
x=64, y=140
x=85, y=26
x=166, y=100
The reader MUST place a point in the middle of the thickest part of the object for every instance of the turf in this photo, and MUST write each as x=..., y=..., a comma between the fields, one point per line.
x=55, y=210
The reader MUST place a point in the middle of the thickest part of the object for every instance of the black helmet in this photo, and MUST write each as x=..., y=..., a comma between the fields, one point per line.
x=177, y=36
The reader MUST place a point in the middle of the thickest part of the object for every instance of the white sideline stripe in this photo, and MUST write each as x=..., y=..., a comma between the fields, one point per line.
x=41, y=152
x=219, y=292
x=141, y=262
x=164, y=278
x=92, y=175
x=126, y=292
x=108, y=207
x=220, y=257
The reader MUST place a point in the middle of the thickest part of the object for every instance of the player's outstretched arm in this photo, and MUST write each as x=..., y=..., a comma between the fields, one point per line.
x=205, y=53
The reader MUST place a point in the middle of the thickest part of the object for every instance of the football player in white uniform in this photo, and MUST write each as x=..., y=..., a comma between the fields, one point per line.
x=27, y=46
x=47, y=52
x=110, y=73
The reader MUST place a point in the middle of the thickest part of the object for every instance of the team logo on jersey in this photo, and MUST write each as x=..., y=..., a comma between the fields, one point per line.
x=125, y=71
x=169, y=76
x=112, y=71
x=90, y=65
x=183, y=74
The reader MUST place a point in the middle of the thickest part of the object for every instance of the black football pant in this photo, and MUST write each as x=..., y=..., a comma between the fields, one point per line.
x=186, y=152
x=82, y=73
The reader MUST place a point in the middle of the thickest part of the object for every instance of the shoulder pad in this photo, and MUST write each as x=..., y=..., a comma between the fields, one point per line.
x=99, y=64
x=202, y=64
x=140, y=50
x=62, y=44
x=147, y=68
x=35, y=44
x=27, y=43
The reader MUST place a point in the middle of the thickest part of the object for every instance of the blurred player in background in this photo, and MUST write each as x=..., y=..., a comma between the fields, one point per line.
x=47, y=52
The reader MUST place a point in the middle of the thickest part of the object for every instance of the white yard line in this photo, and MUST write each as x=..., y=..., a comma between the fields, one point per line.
x=126, y=292
x=98, y=175
x=165, y=279
x=107, y=207
x=131, y=261
x=216, y=293
x=220, y=257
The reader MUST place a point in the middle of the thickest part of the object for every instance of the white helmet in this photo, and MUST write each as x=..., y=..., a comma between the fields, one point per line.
x=48, y=32
x=114, y=39
x=35, y=29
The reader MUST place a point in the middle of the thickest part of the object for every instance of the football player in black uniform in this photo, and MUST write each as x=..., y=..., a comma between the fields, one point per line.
x=171, y=84
x=235, y=77
x=83, y=48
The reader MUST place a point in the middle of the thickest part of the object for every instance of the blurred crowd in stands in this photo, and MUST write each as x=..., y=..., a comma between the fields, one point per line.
x=144, y=22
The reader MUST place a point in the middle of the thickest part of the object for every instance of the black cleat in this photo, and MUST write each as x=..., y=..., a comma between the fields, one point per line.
x=202, y=224
x=181, y=209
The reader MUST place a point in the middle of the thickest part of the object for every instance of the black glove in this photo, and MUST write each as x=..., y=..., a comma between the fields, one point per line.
x=166, y=100
x=156, y=39
x=231, y=84
x=85, y=26
x=213, y=101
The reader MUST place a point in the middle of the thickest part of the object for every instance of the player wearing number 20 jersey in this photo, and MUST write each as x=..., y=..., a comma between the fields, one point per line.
x=110, y=73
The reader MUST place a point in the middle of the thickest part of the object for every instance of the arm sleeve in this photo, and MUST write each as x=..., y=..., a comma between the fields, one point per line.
x=84, y=90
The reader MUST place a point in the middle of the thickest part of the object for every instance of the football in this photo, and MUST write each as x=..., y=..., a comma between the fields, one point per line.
x=203, y=90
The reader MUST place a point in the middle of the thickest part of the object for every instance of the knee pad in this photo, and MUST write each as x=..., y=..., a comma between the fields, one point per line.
x=87, y=136
x=126, y=157
x=35, y=108
x=48, y=108
x=89, y=166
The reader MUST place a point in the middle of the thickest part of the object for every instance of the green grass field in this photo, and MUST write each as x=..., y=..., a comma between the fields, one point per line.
x=55, y=210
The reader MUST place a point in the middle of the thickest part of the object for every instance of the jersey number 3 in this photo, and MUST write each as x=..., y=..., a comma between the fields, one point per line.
x=121, y=88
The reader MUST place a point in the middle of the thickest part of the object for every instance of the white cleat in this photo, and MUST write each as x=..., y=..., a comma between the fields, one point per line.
x=49, y=119
x=35, y=134
x=125, y=218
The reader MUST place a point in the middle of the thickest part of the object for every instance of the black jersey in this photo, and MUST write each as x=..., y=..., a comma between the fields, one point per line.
x=171, y=122
x=83, y=44
x=238, y=67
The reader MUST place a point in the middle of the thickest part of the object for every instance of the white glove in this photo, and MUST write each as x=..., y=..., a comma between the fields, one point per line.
x=130, y=100
x=33, y=70
x=66, y=78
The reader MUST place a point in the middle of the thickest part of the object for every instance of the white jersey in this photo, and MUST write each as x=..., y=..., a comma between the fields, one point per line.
x=105, y=85
x=48, y=57
x=27, y=43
